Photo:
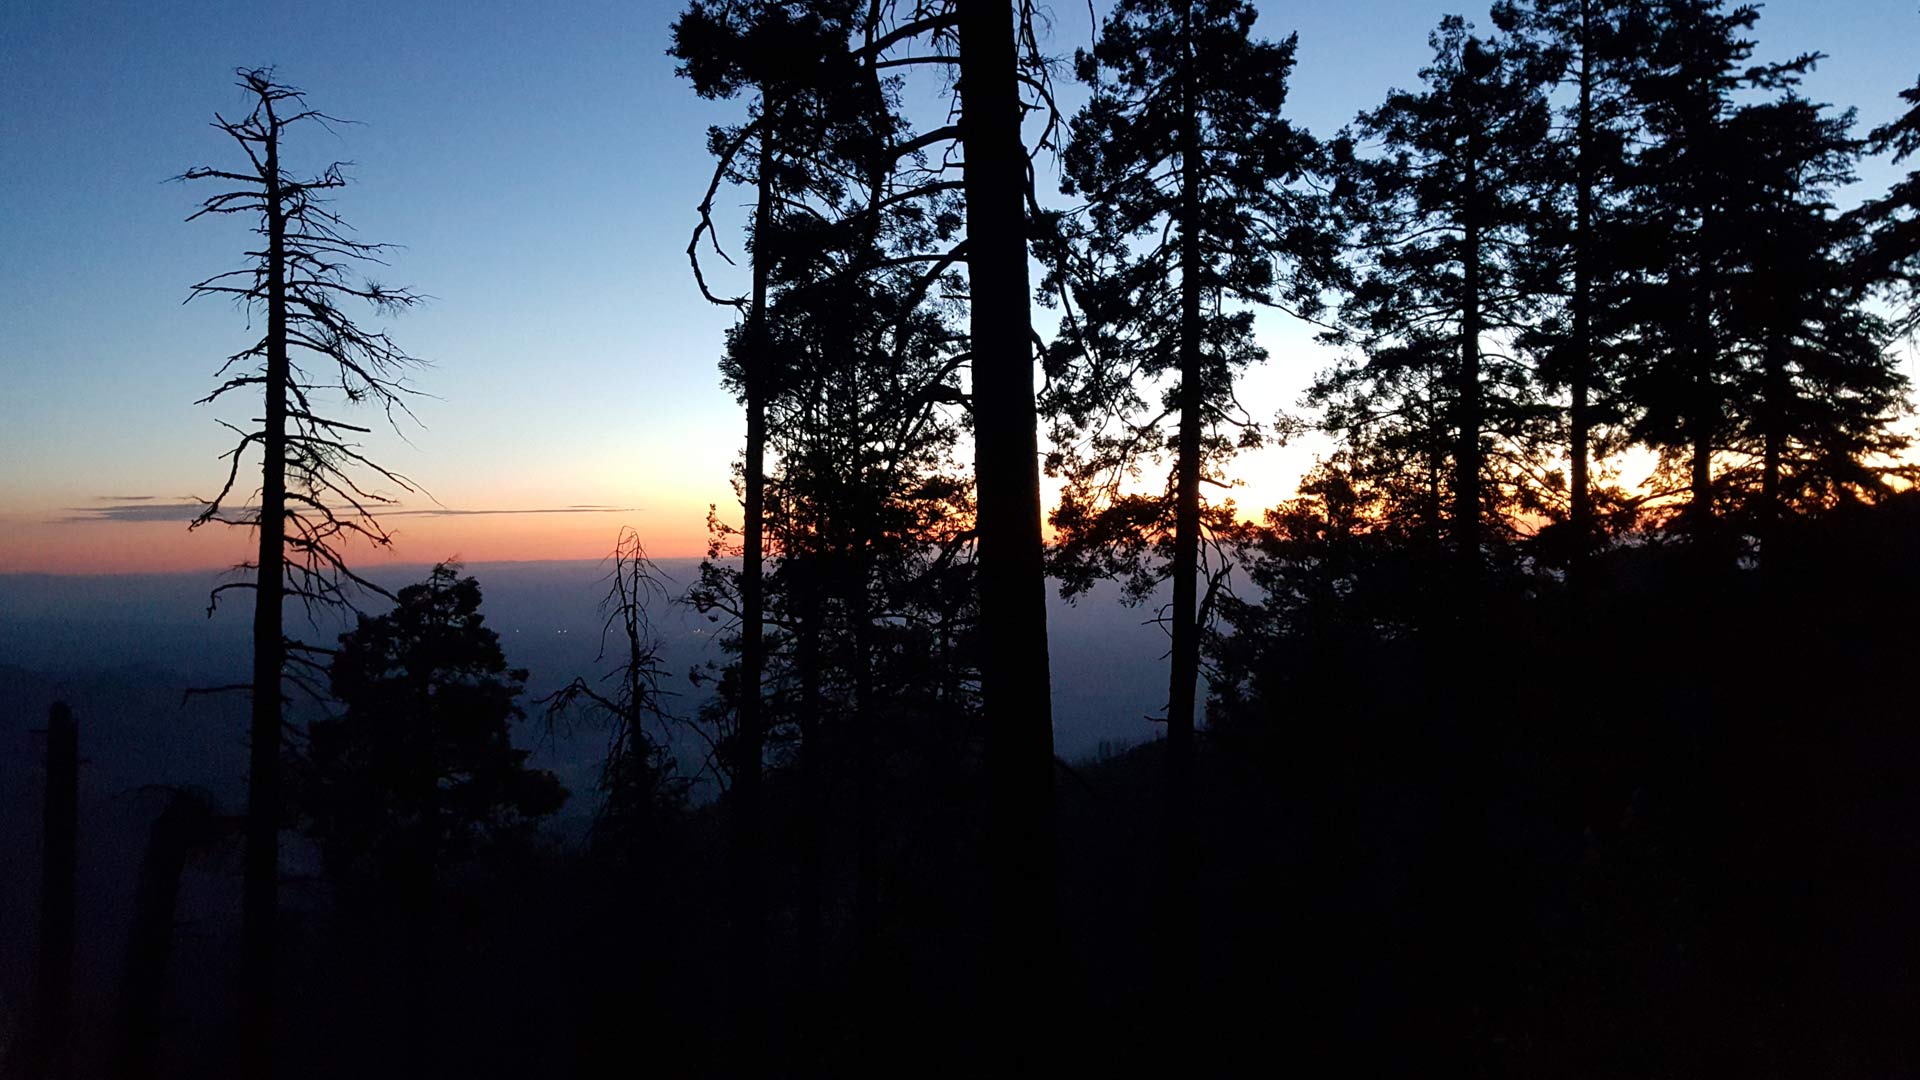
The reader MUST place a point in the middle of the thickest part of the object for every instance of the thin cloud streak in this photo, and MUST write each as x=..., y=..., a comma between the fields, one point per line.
x=446, y=512
x=133, y=511
x=139, y=510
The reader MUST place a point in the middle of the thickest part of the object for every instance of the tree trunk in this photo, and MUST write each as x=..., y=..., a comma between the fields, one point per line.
x=812, y=1018
x=261, y=870
x=1578, y=419
x=1466, y=463
x=1013, y=615
x=749, y=907
x=1773, y=410
x=418, y=884
x=1177, y=886
x=813, y=787
x=184, y=824
x=866, y=810
x=53, y=1050
x=1701, y=337
x=1700, y=482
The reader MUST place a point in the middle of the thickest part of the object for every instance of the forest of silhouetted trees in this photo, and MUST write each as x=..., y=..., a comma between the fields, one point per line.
x=1559, y=724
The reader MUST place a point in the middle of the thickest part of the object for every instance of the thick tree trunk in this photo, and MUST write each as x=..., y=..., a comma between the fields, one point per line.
x=52, y=1045
x=1013, y=614
x=1177, y=888
x=261, y=862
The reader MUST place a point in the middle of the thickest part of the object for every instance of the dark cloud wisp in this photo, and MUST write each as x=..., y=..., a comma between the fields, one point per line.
x=142, y=508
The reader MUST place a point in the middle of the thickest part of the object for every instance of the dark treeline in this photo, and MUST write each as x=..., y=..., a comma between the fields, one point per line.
x=1555, y=726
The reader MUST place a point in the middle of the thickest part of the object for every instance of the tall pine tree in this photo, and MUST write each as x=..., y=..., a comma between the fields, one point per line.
x=1818, y=389
x=1443, y=208
x=1679, y=361
x=795, y=60
x=1199, y=205
x=1597, y=49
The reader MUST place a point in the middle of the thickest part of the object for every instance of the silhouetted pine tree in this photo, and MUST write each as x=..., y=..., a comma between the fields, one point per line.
x=1892, y=256
x=1443, y=207
x=419, y=770
x=1817, y=387
x=418, y=773
x=869, y=530
x=1002, y=78
x=1597, y=48
x=1679, y=362
x=873, y=576
x=796, y=60
x=1200, y=205
x=317, y=489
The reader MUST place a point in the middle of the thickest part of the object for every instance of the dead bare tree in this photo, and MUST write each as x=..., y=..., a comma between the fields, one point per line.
x=317, y=488
x=638, y=776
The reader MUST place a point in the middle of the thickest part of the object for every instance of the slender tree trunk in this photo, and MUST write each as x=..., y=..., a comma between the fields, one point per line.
x=418, y=883
x=1701, y=337
x=1013, y=615
x=1773, y=409
x=1578, y=420
x=813, y=1019
x=1466, y=464
x=1700, y=482
x=813, y=788
x=1176, y=970
x=749, y=930
x=1700, y=423
x=59, y=824
x=261, y=864
x=866, y=810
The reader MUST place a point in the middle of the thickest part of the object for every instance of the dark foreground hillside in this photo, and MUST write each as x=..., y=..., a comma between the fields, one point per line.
x=1668, y=830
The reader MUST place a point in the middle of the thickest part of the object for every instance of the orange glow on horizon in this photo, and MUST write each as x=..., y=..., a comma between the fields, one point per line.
x=42, y=544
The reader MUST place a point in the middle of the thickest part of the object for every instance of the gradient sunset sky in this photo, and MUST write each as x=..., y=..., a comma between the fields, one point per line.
x=539, y=162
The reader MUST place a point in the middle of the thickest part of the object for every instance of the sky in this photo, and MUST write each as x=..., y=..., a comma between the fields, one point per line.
x=539, y=165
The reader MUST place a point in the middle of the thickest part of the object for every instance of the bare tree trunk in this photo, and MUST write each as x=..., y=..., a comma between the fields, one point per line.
x=184, y=824
x=261, y=863
x=1014, y=679
x=59, y=861
x=1183, y=679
